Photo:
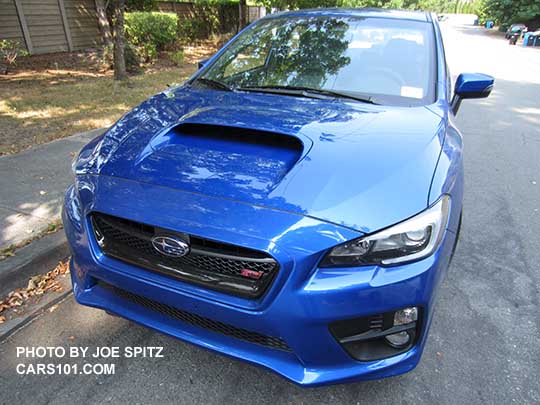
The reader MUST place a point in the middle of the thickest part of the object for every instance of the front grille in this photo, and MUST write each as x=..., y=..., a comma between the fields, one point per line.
x=197, y=320
x=219, y=266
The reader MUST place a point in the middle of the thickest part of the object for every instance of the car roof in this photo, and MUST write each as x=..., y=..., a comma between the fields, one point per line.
x=357, y=12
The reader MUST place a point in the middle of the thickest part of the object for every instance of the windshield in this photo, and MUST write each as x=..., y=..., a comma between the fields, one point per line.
x=390, y=60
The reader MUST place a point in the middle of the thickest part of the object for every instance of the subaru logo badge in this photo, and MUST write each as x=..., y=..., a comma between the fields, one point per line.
x=170, y=246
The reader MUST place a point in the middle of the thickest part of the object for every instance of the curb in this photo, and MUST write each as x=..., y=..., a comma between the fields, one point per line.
x=39, y=257
x=13, y=326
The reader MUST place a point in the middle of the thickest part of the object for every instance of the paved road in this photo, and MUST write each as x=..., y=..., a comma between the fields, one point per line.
x=484, y=344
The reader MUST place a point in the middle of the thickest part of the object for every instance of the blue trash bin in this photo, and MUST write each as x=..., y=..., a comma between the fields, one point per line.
x=526, y=38
x=489, y=24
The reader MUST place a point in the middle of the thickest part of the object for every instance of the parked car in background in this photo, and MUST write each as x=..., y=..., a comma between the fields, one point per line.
x=295, y=204
x=515, y=29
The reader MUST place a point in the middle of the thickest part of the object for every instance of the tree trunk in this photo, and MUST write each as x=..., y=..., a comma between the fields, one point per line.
x=119, y=56
x=103, y=23
x=242, y=21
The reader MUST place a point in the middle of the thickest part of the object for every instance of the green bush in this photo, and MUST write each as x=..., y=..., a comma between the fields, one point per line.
x=193, y=29
x=158, y=29
x=148, y=52
x=177, y=57
x=141, y=5
x=207, y=19
x=131, y=55
x=133, y=60
x=9, y=52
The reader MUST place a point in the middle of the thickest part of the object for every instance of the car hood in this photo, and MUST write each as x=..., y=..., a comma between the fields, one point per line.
x=361, y=166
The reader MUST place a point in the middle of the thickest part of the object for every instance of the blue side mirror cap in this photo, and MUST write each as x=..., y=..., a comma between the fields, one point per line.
x=474, y=85
x=471, y=85
x=203, y=62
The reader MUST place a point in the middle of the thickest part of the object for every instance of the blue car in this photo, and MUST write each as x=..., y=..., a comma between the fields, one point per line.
x=295, y=204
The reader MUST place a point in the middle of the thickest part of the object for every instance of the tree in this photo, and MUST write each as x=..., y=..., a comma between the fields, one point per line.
x=119, y=55
x=141, y=5
x=103, y=22
x=242, y=20
x=440, y=6
x=506, y=12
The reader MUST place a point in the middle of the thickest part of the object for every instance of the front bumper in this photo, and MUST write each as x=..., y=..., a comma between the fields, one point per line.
x=298, y=308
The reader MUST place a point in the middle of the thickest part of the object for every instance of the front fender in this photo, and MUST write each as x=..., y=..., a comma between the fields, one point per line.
x=448, y=177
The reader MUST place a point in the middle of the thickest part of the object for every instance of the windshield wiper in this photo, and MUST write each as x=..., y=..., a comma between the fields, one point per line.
x=214, y=84
x=307, y=91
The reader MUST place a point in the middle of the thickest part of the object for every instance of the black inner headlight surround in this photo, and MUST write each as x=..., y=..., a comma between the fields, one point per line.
x=410, y=240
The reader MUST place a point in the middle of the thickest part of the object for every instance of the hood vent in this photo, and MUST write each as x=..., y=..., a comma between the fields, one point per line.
x=240, y=136
x=244, y=164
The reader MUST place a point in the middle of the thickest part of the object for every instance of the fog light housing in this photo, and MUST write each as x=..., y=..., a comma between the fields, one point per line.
x=398, y=340
x=381, y=335
x=405, y=316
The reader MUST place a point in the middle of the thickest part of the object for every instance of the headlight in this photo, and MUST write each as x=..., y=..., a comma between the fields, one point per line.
x=410, y=240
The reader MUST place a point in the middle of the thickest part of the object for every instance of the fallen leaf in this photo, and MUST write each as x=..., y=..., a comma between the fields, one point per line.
x=37, y=286
x=17, y=295
x=2, y=319
x=53, y=308
x=32, y=283
x=41, y=192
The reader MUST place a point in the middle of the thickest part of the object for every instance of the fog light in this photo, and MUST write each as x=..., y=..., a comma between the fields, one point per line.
x=398, y=340
x=405, y=316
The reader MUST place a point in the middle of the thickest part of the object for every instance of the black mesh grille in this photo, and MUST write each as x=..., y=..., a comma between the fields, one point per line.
x=219, y=266
x=197, y=320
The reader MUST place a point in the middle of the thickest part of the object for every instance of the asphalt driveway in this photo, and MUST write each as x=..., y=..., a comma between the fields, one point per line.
x=484, y=345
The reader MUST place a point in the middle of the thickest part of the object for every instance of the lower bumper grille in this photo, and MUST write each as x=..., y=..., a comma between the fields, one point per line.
x=196, y=320
x=219, y=266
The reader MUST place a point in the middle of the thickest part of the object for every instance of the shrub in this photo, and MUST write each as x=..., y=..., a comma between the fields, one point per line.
x=158, y=29
x=133, y=60
x=193, y=29
x=131, y=55
x=208, y=18
x=9, y=52
x=148, y=52
x=141, y=5
x=177, y=57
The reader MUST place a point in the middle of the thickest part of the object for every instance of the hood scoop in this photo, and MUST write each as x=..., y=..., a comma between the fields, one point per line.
x=224, y=161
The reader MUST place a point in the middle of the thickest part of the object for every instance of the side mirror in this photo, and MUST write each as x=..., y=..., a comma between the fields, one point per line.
x=471, y=85
x=203, y=62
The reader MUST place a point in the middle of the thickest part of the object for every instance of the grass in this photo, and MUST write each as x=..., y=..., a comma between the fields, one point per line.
x=41, y=104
